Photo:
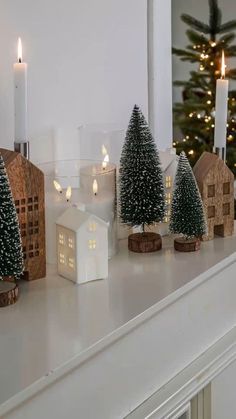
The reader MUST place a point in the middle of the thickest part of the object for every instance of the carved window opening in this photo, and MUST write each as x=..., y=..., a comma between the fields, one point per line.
x=71, y=243
x=211, y=211
x=226, y=188
x=71, y=263
x=92, y=226
x=168, y=181
x=226, y=209
x=211, y=191
x=92, y=244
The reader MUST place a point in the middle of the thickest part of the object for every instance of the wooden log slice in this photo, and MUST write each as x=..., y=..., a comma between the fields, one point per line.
x=187, y=245
x=144, y=242
x=9, y=293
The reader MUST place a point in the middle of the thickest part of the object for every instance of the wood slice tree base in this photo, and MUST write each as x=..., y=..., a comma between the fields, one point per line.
x=144, y=242
x=187, y=245
x=9, y=293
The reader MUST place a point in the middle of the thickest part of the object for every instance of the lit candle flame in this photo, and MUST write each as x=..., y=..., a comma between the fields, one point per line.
x=57, y=186
x=68, y=193
x=105, y=161
x=223, y=65
x=104, y=150
x=95, y=187
x=19, y=50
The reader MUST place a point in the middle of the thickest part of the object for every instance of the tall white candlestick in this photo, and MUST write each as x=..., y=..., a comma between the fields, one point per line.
x=221, y=109
x=20, y=92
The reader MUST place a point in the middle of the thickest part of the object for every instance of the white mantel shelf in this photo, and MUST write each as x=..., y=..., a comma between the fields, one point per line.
x=57, y=327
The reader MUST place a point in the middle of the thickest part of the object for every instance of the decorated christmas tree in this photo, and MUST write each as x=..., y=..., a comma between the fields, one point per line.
x=195, y=114
x=11, y=257
x=187, y=212
x=142, y=195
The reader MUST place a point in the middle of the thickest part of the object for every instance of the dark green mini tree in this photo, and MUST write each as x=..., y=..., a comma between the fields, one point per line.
x=142, y=194
x=195, y=114
x=187, y=212
x=11, y=257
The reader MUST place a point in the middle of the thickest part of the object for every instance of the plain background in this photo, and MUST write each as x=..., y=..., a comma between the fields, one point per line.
x=87, y=63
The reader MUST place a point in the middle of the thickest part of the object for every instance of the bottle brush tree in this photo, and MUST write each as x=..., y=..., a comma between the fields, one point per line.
x=142, y=194
x=187, y=212
x=11, y=257
x=195, y=115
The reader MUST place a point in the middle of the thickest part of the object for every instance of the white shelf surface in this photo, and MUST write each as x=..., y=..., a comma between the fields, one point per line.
x=56, y=320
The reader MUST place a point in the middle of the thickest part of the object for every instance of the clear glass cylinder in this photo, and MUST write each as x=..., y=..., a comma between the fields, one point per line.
x=89, y=185
x=98, y=140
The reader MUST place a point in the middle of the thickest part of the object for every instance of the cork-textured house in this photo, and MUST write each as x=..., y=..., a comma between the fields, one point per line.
x=216, y=185
x=27, y=185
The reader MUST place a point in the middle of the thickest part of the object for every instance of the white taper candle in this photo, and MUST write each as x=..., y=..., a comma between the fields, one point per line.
x=221, y=109
x=20, y=96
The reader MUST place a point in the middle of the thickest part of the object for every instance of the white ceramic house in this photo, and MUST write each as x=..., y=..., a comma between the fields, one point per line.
x=82, y=246
x=169, y=162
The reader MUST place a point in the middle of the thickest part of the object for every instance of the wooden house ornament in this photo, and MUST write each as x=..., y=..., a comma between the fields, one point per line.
x=216, y=185
x=82, y=246
x=27, y=185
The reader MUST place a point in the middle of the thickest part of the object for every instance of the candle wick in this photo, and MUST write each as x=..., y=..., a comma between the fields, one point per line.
x=19, y=60
x=95, y=194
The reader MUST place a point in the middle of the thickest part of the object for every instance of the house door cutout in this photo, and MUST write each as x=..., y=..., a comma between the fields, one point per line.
x=219, y=230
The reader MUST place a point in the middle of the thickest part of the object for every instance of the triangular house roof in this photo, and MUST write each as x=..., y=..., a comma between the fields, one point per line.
x=206, y=162
x=73, y=218
x=9, y=156
x=167, y=158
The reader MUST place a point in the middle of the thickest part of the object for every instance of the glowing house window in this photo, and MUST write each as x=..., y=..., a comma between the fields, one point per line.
x=61, y=239
x=167, y=217
x=92, y=244
x=168, y=181
x=92, y=226
x=62, y=259
x=71, y=263
x=168, y=198
x=71, y=243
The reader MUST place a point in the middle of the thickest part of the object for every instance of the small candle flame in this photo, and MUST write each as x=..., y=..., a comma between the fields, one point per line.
x=57, y=186
x=105, y=161
x=223, y=66
x=104, y=150
x=68, y=193
x=95, y=187
x=19, y=50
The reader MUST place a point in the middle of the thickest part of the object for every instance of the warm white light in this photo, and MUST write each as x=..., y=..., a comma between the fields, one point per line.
x=68, y=193
x=57, y=186
x=223, y=65
x=191, y=152
x=105, y=161
x=19, y=50
x=104, y=150
x=95, y=187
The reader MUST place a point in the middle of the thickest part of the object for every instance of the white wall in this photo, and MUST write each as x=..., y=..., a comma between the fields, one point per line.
x=160, y=71
x=223, y=394
x=87, y=63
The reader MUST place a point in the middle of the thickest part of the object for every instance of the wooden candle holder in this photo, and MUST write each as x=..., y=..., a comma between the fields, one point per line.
x=144, y=242
x=187, y=245
x=9, y=293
